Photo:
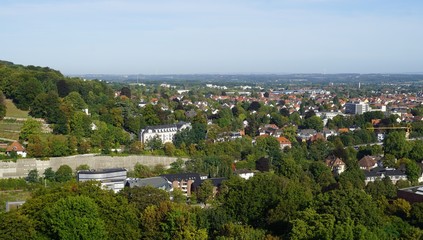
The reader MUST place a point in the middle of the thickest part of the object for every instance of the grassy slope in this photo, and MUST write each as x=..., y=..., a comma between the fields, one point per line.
x=9, y=128
x=13, y=112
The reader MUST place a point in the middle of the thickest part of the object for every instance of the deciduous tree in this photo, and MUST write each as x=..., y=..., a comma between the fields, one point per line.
x=75, y=217
x=205, y=192
x=64, y=173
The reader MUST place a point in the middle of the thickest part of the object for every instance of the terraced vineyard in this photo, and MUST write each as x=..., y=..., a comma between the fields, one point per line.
x=10, y=129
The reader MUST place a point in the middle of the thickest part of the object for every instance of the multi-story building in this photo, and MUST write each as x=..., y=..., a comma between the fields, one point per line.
x=165, y=132
x=356, y=108
x=111, y=179
x=184, y=181
x=379, y=173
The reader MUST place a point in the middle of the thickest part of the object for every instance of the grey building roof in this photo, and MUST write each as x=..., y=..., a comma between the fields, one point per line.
x=156, y=182
x=307, y=132
x=177, y=125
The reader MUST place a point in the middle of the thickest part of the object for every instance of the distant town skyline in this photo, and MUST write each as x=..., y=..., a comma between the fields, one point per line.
x=218, y=37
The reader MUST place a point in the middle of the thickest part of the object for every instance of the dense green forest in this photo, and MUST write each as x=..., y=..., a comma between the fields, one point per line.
x=293, y=195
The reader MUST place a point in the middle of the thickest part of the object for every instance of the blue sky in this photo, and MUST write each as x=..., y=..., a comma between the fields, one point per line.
x=216, y=36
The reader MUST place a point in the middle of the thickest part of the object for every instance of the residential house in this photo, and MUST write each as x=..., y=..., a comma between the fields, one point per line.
x=328, y=132
x=336, y=165
x=316, y=137
x=228, y=136
x=367, y=162
x=343, y=130
x=244, y=173
x=268, y=129
x=284, y=142
x=17, y=148
x=142, y=104
x=378, y=173
x=305, y=134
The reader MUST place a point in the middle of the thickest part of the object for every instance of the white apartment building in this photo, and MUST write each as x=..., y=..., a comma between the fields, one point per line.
x=165, y=132
x=356, y=108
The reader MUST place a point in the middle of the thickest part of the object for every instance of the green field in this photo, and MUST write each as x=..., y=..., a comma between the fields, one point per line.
x=13, y=112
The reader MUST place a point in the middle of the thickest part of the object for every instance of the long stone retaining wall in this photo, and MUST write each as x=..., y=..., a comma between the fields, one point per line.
x=21, y=167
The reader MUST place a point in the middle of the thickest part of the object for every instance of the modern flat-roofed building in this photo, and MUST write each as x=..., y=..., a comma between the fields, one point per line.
x=356, y=108
x=156, y=182
x=113, y=178
x=165, y=132
x=411, y=194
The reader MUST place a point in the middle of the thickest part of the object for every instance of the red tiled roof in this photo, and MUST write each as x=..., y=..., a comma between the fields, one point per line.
x=15, y=146
x=283, y=140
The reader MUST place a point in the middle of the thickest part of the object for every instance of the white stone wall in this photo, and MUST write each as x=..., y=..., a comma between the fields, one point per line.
x=21, y=167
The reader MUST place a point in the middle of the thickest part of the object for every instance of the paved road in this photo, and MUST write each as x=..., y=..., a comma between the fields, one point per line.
x=381, y=143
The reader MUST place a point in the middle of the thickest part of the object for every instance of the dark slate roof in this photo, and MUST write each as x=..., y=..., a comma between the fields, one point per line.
x=372, y=174
x=394, y=173
x=217, y=181
x=156, y=182
x=182, y=176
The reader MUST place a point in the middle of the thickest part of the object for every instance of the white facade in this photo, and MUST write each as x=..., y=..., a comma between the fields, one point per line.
x=356, y=108
x=165, y=132
x=110, y=179
x=245, y=174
